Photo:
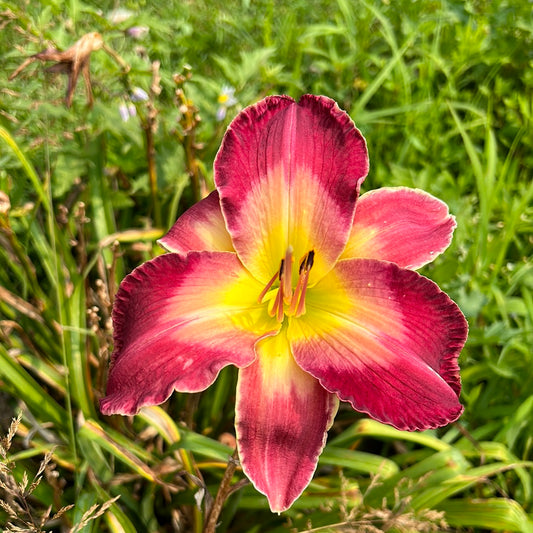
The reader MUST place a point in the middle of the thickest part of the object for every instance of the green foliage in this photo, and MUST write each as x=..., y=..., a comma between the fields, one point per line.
x=441, y=90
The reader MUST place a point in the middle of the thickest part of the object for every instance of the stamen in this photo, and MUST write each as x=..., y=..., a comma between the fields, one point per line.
x=277, y=308
x=301, y=302
x=279, y=299
x=297, y=307
x=296, y=296
x=267, y=288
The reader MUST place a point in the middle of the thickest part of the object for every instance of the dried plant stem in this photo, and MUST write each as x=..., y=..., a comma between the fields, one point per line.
x=125, y=67
x=189, y=122
x=152, y=172
x=150, y=126
x=193, y=170
x=224, y=490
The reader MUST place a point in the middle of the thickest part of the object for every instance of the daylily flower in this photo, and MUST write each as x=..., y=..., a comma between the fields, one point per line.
x=315, y=301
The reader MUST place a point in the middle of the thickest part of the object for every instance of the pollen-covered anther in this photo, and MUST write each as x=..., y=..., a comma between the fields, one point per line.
x=297, y=307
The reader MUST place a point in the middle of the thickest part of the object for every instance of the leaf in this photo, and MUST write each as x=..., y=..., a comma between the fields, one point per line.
x=40, y=403
x=358, y=461
x=434, y=493
x=28, y=167
x=94, y=431
x=371, y=428
x=492, y=514
x=203, y=446
x=161, y=422
x=433, y=471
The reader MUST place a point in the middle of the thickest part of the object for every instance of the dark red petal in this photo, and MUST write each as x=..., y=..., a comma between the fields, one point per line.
x=200, y=228
x=178, y=320
x=289, y=174
x=282, y=415
x=385, y=339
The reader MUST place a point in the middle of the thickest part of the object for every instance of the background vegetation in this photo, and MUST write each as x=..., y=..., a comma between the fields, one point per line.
x=442, y=91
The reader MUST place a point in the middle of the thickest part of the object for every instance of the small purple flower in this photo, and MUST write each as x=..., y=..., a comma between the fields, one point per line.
x=138, y=95
x=124, y=113
x=127, y=110
x=138, y=32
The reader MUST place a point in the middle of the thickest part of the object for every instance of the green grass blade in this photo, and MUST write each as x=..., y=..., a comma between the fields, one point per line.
x=161, y=422
x=432, y=496
x=76, y=351
x=203, y=446
x=434, y=470
x=40, y=403
x=358, y=461
x=116, y=519
x=494, y=514
x=371, y=428
x=28, y=168
x=91, y=430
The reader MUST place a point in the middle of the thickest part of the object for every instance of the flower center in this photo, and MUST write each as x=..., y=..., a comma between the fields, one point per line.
x=287, y=301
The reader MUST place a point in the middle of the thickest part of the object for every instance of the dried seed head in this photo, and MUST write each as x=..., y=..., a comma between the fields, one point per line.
x=5, y=204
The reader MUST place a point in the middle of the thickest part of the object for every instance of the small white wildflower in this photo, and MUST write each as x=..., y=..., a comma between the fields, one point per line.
x=116, y=16
x=123, y=111
x=225, y=99
x=126, y=111
x=138, y=32
x=138, y=95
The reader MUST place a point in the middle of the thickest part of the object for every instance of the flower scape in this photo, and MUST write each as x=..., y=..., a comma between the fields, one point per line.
x=308, y=288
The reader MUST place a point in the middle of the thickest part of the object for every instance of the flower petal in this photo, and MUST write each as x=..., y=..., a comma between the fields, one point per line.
x=201, y=227
x=178, y=320
x=282, y=416
x=289, y=174
x=406, y=226
x=385, y=339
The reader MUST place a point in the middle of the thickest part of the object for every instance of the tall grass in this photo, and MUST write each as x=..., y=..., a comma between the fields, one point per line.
x=441, y=90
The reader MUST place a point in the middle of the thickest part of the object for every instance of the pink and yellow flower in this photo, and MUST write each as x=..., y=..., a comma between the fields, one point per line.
x=309, y=290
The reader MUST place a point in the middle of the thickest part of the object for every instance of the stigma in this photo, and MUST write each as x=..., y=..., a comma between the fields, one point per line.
x=288, y=301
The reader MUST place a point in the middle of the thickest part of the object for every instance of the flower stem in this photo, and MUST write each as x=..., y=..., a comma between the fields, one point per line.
x=189, y=122
x=150, y=127
x=152, y=172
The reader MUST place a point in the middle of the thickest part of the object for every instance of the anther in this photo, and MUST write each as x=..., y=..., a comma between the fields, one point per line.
x=307, y=262
x=286, y=275
x=297, y=307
